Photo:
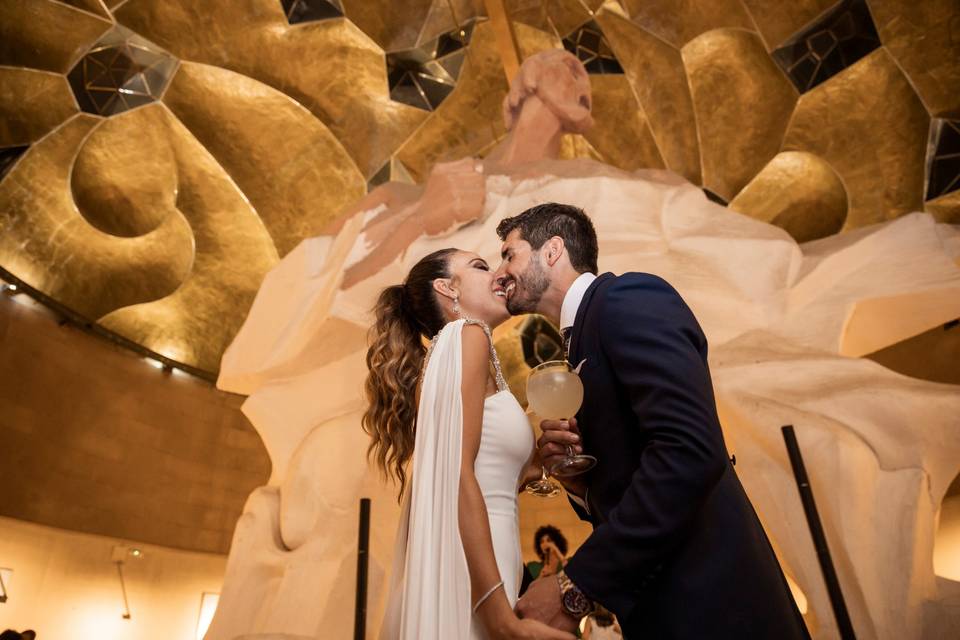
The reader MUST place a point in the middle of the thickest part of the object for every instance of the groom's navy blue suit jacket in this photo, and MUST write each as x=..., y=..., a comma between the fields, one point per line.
x=677, y=550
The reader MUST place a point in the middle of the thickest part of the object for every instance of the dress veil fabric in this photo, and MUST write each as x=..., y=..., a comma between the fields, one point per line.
x=430, y=588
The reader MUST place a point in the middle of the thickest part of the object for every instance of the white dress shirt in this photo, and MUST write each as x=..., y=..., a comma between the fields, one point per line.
x=568, y=314
x=573, y=298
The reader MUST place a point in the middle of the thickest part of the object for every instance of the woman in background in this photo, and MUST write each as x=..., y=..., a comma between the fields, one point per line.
x=551, y=548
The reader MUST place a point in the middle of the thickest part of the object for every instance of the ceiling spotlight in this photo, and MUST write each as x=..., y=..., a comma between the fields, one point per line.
x=10, y=289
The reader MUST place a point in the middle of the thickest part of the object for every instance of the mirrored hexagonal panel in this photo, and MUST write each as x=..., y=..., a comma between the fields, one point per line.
x=943, y=159
x=298, y=11
x=120, y=71
x=423, y=77
x=829, y=45
x=588, y=43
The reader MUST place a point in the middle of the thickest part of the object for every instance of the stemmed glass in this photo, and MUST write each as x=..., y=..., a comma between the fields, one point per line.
x=544, y=487
x=555, y=392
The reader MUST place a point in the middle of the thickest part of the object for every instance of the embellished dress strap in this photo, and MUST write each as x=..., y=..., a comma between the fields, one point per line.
x=494, y=358
x=426, y=358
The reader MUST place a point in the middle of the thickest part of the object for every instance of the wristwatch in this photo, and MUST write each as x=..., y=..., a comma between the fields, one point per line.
x=572, y=599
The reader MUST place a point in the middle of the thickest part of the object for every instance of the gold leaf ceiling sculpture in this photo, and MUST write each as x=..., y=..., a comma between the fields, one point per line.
x=742, y=103
x=32, y=103
x=46, y=242
x=49, y=36
x=657, y=75
x=788, y=188
x=157, y=157
x=330, y=67
x=885, y=178
x=295, y=200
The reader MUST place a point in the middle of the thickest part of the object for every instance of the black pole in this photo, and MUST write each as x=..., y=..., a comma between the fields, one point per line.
x=816, y=532
x=363, y=557
x=123, y=588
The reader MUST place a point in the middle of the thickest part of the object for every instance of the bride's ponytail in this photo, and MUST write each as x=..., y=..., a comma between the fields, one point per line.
x=405, y=315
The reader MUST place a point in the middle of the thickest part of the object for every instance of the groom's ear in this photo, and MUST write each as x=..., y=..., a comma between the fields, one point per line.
x=553, y=249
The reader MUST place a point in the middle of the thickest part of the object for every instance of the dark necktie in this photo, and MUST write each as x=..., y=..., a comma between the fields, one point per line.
x=565, y=334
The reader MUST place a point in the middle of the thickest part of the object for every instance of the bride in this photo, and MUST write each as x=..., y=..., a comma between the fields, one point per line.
x=457, y=566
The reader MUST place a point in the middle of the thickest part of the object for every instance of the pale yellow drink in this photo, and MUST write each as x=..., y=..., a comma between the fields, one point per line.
x=554, y=393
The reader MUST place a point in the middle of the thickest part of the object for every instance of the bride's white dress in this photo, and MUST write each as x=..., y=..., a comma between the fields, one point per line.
x=430, y=590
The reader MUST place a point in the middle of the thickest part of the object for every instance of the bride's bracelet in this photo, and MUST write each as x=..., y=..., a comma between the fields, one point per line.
x=484, y=597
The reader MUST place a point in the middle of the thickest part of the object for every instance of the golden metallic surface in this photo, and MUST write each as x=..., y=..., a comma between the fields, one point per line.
x=91, y=6
x=404, y=24
x=43, y=34
x=618, y=117
x=530, y=13
x=656, y=73
x=446, y=15
x=124, y=179
x=232, y=254
x=331, y=67
x=531, y=40
x=470, y=118
x=870, y=126
x=680, y=21
x=295, y=172
x=777, y=20
x=559, y=17
x=506, y=38
x=574, y=145
x=47, y=243
x=394, y=24
x=742, y=103
x=31, y=104
x=946, y=208
x=924, y=39
x=799, y=193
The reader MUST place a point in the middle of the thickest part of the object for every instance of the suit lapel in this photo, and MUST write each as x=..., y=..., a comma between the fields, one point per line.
x=578, y=322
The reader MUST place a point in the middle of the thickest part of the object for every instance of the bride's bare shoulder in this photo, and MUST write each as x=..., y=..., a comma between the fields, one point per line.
x=476, y=343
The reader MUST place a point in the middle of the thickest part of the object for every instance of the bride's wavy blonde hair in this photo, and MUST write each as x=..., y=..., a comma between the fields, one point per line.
x=405, y=315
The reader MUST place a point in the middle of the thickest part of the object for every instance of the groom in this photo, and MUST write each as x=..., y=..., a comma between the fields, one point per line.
x=677, y=550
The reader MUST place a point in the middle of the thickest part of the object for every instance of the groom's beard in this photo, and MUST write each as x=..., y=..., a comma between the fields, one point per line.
x=526, y=297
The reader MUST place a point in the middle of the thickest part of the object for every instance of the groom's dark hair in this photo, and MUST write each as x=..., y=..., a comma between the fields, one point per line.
x=540, y=223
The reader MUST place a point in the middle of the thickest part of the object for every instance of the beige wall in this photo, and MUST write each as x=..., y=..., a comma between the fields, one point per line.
x=95, y=439
x=65, y=586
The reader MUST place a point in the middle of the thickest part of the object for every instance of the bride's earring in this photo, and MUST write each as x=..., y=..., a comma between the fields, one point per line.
x=456, y=307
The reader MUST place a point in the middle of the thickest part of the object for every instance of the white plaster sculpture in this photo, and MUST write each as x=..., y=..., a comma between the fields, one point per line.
x=787, y=325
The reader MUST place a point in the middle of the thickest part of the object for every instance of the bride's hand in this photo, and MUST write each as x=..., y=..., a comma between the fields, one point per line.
x=535, y=630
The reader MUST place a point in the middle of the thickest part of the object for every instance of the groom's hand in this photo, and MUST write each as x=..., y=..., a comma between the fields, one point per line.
x=552, y=448
x=541, y=602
